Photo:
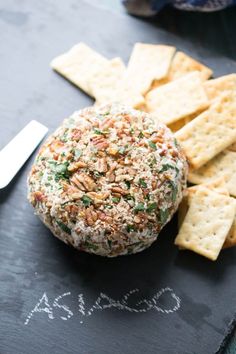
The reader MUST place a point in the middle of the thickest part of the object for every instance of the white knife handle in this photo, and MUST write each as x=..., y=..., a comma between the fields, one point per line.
x=18, y=150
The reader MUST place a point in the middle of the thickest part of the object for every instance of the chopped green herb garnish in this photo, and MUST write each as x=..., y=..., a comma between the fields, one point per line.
x=130, y=228
x=141, y=135
x=100, y=132
x=98, y=174
x=167, y=166
x=115, y=199
x=108, y=206
x=153, y=162
x=97, y=131
x=174, y=190
x=64, y=137
x=176, y=143
x=139, y=207
x=86, y=200
x=147, y=196
x=64, y=227
x=127, y=184
x=52, y=162
x=61, y=167
x=40, y=173
x=142, y=183
x=152, y=145
x=91, y=245
x=163, y=216
x=109, y=243
x=49, y=178
x=129, y=197
x=63, y=154
x=151, y=207
x=131, y=131
x=60, y=170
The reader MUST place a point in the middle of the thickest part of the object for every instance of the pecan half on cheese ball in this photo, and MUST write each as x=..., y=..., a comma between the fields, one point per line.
x=108, y=180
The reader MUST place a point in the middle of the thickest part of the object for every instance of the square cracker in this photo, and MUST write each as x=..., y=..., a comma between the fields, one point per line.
x=177, y=99
x=183, y=64
x=148, y=62
x=103, y=82
x=223, y=165
x=224, y=83
x=211, y=132
x=218, y=186
x=79, y=65
x=207, y=223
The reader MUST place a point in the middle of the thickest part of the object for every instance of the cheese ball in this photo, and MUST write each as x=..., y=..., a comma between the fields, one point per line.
x=108, y=180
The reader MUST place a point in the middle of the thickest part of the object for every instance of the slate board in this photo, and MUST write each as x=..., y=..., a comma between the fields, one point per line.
x=194, y=317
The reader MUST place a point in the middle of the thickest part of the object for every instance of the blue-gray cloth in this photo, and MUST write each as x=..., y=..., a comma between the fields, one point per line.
x=151, y=7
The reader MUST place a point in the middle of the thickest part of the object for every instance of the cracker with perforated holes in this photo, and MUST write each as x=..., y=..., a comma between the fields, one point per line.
x=211, y=132
x=222, y=84
x=79, y=64
x=223, y=165
x=182, y=64
x=148, y=62
x=218, y=185
x=177, y=99
x=207, y=223
x=231, y=238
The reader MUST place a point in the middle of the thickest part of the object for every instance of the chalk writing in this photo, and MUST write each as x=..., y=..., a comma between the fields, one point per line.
x=47, y=308
x=104, y=302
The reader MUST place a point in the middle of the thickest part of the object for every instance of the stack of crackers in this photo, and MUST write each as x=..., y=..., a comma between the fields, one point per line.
x=178, y=91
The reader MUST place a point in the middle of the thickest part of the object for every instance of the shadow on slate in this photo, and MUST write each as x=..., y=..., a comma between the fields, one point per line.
x=34, y=263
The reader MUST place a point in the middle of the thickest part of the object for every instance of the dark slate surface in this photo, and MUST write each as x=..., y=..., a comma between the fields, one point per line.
x=33, y=263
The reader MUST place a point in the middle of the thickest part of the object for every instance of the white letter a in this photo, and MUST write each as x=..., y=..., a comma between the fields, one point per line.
x=41, y=306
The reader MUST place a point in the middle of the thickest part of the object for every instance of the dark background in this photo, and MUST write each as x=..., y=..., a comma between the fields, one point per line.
x=31, y=261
